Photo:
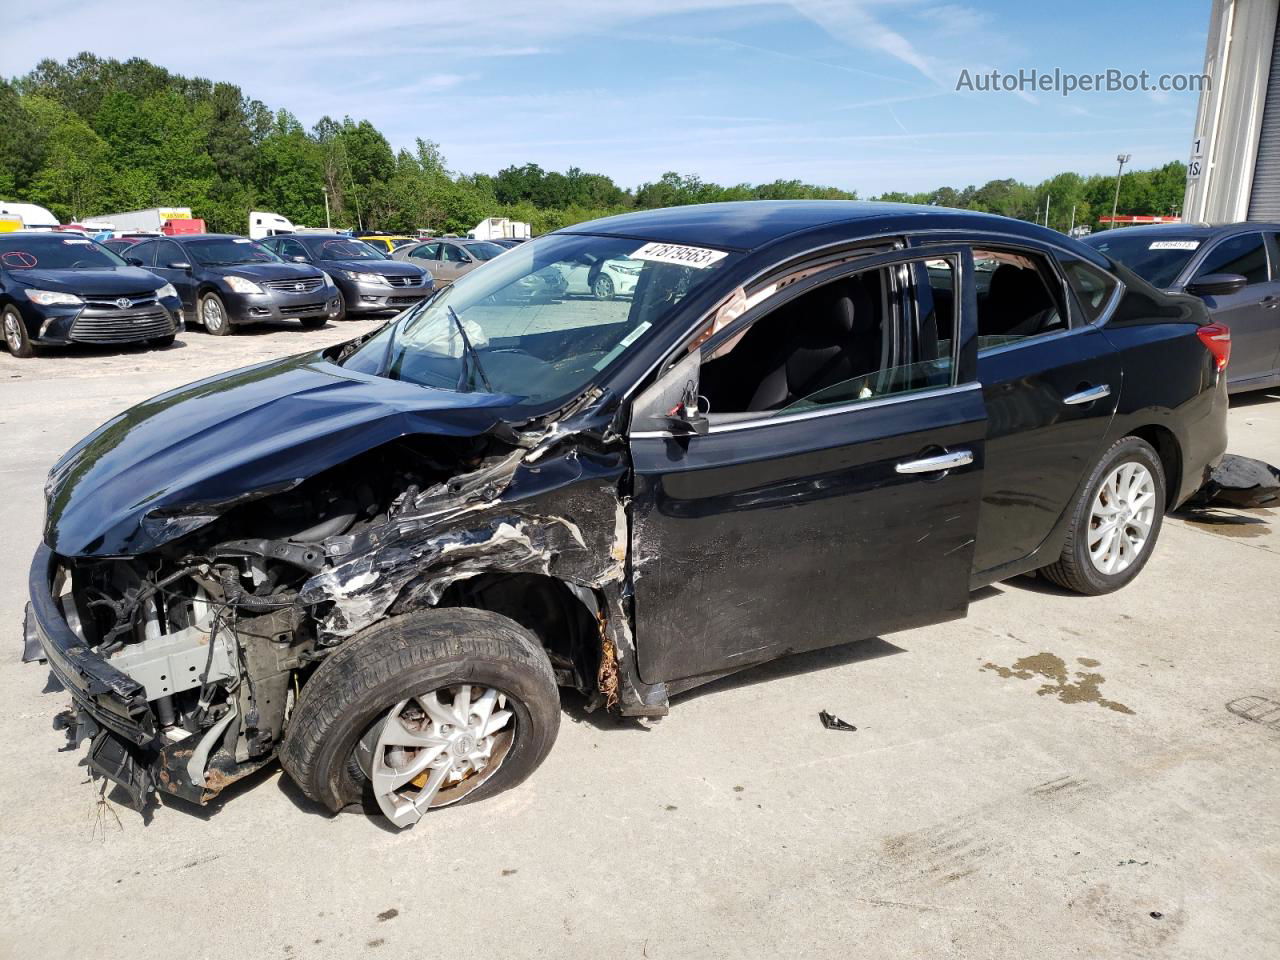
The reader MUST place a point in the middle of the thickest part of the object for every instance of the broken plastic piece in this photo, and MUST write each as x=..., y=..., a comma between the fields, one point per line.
x=1241, y=482
x=832, y=722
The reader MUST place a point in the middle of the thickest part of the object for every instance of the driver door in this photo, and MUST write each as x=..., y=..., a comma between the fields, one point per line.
x=846, y=514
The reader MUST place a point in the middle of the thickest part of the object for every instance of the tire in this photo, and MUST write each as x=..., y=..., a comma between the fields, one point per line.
x=342, y=307
x=346, y=701
x=159, y=343
x=313, y=323
x=15, y=333
x=602, y=287
x=212, y=313
x=1076, y=568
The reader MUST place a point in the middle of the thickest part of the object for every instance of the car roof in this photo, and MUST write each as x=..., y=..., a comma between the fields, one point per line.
x=750, y=224
x=1187, y=230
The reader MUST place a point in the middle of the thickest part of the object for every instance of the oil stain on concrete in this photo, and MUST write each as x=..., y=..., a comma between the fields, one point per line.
x=1085, y=688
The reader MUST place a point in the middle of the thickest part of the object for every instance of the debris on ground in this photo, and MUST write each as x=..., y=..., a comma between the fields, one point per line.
x=832, y=722
x=1240, y=482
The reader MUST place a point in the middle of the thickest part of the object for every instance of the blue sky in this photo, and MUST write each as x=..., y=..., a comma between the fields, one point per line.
x=855, y=93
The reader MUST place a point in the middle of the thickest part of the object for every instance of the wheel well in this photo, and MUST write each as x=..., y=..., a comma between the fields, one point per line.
x=548, y=608
x=1166, y=445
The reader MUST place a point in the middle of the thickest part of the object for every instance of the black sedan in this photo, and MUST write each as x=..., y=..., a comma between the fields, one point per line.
x=58, y=288
x=805, y=427
x=225, y=281
x=1235, y=269
x=368, y=281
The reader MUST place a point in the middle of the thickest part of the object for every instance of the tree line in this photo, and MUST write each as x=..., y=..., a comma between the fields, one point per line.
x=94, y=135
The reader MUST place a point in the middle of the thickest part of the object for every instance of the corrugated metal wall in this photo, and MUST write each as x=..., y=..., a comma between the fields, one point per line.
x=1264, y=201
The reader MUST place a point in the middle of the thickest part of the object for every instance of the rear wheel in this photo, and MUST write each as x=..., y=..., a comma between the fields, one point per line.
x=213, y=314
x=1115, y=522
x=424, y=710
x=15, y=334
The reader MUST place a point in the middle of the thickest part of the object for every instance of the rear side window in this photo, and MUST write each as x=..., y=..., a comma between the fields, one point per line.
x=1092, y=287
x=168, y=252
x=1016, y=300
x=1245, y=255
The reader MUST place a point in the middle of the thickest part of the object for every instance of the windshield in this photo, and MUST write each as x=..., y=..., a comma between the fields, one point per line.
x=485, y=250
x=538, y=324
x=344, y=249
x=226, y=251
x=27, y=251
x=1156, y=259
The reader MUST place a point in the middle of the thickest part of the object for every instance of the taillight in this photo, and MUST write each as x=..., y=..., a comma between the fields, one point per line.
x=1217, y=340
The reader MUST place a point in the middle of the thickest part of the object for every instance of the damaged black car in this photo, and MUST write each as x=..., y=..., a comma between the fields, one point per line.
x=814, y=422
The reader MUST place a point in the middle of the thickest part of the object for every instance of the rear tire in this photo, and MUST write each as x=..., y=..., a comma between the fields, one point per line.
x=213, y=314
x=15, y=334
x=347, y=699
x=1109, y=541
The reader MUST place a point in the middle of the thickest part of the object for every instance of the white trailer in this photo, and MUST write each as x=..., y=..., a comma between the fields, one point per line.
x=500, y=228
x=33, y=216
x=151, y=220
x=263, y=223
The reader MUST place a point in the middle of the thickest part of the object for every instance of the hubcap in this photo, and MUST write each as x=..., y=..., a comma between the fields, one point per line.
x=212, y=314
x=1121, y=518
x=433, y=749
x=11, y=332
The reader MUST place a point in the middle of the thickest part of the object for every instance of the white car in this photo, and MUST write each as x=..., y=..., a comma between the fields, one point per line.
x=603, y=280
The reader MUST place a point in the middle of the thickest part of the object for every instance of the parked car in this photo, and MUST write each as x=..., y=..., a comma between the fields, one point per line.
x=225, y=281
x=385, y=242
x=59, y=288
x=1235, y=269
x=447, y=260
x=602, y=279
x=380, y=561
x=368, y=281
x=120, y=244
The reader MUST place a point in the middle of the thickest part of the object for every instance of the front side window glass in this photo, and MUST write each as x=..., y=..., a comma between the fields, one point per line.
x=1245, y=255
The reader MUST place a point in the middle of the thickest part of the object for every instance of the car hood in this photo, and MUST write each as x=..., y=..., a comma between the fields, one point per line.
x=390, y=268
x=106, y=280
x=178, y=461
x=268, y=271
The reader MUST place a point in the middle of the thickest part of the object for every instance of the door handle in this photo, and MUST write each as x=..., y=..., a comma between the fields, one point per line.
x=1089, y=395
x=943, y=461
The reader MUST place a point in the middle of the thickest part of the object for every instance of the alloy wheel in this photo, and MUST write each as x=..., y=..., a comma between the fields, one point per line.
x=12, y=335
x=434, y=748
x=1121, y=518
x=211, y=314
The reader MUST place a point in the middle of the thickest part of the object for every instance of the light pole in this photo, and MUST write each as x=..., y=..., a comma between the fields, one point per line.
x=1123, y=158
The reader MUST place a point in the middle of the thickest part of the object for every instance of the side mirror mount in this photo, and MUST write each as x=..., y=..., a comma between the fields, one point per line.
x=133, y=261
x=1217, y=284
x=689, y=421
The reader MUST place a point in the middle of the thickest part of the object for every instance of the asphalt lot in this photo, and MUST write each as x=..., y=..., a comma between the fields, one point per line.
x=1054, y=776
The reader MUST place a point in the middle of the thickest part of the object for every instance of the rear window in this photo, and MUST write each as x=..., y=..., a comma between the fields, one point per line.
x=1092, y=287
x=1156, y=258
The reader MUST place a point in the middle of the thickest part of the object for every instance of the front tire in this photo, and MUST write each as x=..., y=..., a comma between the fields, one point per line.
x=423, y=710
x=15, y=334
x=1115, y=522
x=314, y=323
x=213, y=314
x=602, y=287
x=159, y=343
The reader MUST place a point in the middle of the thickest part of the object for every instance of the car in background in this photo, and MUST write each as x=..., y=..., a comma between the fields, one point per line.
x=1234, y=269
x=368, y=281
x=58, y=288
x=602, y=279
x=122, y=242
x=226, y=281
x=385, y=242
x=802, y=430
x=449, y=259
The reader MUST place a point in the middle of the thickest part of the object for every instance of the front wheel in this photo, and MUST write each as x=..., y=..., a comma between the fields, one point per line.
x=602, y=287
x=314, y=323
x=1115, y=521
x=424, y=710
x=213, y=314
x=15, y=334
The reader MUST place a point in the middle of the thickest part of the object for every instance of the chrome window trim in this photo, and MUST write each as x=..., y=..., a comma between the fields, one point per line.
x=815, y=414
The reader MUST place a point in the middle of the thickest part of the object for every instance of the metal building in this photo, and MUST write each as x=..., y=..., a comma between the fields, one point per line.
x=1234, y=170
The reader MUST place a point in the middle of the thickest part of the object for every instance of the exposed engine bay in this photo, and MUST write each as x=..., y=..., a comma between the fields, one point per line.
x=223, y=626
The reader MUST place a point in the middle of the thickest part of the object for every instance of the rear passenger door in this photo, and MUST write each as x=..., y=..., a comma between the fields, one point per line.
x=1051, y=380
x=1251, y=313
x=834, y=495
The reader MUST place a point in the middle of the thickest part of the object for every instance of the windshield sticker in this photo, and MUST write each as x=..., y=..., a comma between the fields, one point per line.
x=1175, y=245
x=625, y=342
x=241, y=240
x=697, y=257
x=82, y=242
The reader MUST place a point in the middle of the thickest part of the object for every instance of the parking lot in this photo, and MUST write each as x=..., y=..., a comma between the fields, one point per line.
x=1054, y=776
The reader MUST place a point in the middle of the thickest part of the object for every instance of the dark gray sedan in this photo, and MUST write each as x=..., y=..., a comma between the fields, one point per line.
x=368, y=280
x=1235, y=269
